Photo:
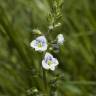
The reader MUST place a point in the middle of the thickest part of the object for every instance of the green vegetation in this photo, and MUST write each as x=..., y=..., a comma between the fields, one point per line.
x=20, y=65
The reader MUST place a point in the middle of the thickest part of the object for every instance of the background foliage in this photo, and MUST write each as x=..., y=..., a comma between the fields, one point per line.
x=20, y=65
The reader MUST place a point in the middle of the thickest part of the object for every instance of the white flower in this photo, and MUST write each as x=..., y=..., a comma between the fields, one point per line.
x=40, y=43
x=49, y=62
x=60, y=39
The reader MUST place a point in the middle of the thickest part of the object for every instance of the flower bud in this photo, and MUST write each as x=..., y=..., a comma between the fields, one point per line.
x=36, y=31
x=51, y=27
x=60, y=39
x=58, y=24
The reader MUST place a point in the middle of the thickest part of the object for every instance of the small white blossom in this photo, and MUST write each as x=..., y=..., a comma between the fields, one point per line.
x=39, y=44
x=60, y=39
x=49, y=62
x=51, y=27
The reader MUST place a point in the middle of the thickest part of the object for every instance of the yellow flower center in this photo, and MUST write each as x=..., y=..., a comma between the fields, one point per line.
x=39, y=45
x=49, y=62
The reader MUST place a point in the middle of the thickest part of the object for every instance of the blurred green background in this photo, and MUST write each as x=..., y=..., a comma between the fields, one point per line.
x=20, y=65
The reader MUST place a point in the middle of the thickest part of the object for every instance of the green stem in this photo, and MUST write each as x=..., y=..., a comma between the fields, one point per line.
x=44, y=78
x=45, y=81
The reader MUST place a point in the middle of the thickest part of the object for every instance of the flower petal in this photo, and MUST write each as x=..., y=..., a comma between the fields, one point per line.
x=48, y=55
x=55, y=61
x=37, y=49
x=52, y=67
x=41, y=38
x=33, y=43
x=44, y=48
x=44, y=65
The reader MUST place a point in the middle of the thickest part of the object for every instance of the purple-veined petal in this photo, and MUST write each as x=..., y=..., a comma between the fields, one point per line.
x=55, y=61
x=41, y=38
x=48, y=55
